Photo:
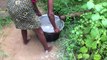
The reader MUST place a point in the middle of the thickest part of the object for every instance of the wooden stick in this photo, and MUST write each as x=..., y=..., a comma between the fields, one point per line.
x=76, y=14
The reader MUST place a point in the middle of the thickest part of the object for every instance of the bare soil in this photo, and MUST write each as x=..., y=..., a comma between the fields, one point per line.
x=11, y=43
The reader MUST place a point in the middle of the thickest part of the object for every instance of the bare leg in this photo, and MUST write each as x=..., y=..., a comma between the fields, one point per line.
x=42, y=38
x=24, y=35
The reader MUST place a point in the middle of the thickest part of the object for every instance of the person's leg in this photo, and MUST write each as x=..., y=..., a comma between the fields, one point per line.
x=24, y=35
x=42, y=39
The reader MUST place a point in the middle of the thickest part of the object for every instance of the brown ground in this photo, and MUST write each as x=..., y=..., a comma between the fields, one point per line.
x=3, y=4
x=11, y=43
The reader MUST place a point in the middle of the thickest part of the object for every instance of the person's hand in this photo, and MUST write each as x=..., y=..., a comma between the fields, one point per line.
x=57, y=30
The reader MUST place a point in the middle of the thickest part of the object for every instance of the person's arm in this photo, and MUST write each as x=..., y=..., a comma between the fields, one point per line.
x=36, y=8
x=51, y=15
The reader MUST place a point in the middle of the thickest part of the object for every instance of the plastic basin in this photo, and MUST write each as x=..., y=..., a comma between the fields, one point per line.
x=48, y=28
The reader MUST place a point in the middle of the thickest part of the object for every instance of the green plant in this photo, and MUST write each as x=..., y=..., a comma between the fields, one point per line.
x=84, y=38
x=63, y=7
x=4, y=22
x=88, y=38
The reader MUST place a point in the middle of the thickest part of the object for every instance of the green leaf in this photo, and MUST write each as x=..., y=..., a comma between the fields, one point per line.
x=84, y=6
x=103, y=11
x=88, y=15
x=105, y=14
x=104, y=37
x=104, y=4
x=90, y=5
x=94, y=33
x=95, y=17
x=86, y=56
x=104, y=22
x=101, y=30
x=105, y=58
x=98, y=7
x=86, y=30
x=82, y=42
x=88, y=43
x=68, y=48
x=79, y=0
x=94, y=45
x=83, y=49
x=79, y=56
x=97, y=57
x=98, y=24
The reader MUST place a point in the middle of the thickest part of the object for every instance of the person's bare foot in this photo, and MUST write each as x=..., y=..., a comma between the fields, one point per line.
x=49, y=49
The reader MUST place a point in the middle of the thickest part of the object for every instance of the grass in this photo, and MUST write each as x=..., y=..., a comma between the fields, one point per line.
x=4, y=22
x=3, y=54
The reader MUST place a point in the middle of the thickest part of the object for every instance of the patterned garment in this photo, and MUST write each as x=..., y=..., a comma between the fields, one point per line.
x=22, y=14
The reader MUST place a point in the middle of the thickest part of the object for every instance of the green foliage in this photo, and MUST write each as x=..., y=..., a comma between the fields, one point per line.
x=83, y=49
x=97, y=57
x=87, y=38
x=90, y=4
x=95, y=17
x=79, y=56
x=104, y=22
x=63, y=7
x=4, y=22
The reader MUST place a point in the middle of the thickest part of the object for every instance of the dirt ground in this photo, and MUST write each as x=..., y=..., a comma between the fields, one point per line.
x=11, y=43
x=3, y=4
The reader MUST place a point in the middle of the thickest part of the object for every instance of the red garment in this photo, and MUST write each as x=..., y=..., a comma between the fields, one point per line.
x=33, y=1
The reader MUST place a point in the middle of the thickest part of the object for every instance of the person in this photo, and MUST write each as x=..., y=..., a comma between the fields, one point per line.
x=50, y=13
x=23, y=15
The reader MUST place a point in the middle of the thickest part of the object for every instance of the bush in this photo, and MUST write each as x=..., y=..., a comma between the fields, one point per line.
x=84, y=37
x=63, y=7
x=87, y=39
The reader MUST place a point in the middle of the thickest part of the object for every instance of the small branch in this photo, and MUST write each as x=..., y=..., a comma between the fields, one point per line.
x=76, y=14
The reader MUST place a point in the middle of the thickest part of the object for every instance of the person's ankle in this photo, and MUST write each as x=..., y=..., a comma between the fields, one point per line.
x=48, y=49
x=26, y=42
